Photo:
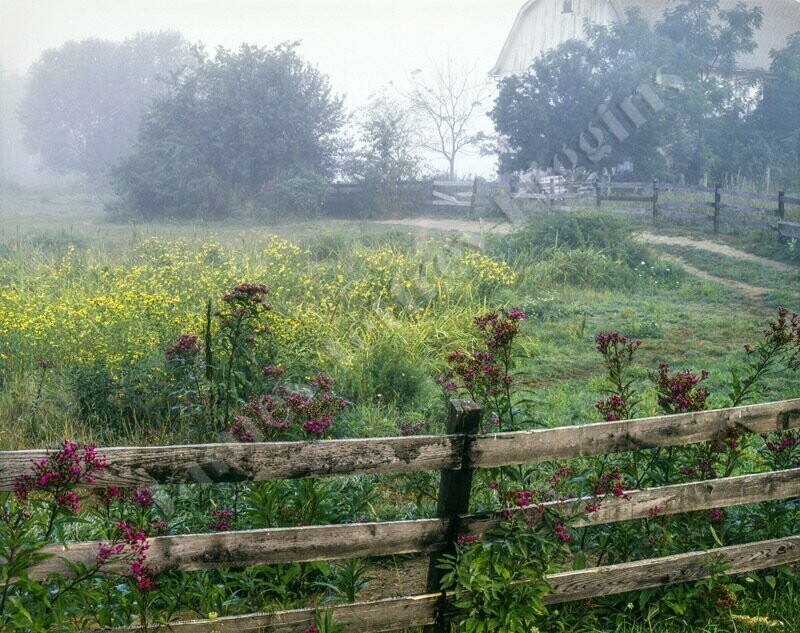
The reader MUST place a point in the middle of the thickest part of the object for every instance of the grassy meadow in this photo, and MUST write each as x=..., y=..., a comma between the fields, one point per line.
x=87, y=309
x=103, y=327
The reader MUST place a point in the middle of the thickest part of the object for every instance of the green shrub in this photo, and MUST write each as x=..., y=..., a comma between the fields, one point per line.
x=121, y=400
x=385, y=373
x=607, y=234
x=301, y=195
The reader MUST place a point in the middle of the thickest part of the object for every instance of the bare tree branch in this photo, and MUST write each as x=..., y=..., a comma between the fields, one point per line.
x=446, y=102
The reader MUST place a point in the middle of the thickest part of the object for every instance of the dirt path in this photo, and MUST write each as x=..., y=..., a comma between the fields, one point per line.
x=462, y=226
x=747, y=290
x=714, y=247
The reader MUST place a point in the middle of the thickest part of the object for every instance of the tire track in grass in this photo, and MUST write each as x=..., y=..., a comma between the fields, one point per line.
x=749, y=291
x=714, y=247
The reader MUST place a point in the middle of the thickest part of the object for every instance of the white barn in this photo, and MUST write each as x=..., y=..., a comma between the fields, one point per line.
x=542, y=25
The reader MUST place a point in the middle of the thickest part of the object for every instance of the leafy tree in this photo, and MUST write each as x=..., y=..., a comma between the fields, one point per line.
x=83, y=101
x=539, y=112
x=777, y=119
x=602, y=102
x=229, y=126
x=778, y=114
x=446, y=102
x=386, y=145
x=708, y=41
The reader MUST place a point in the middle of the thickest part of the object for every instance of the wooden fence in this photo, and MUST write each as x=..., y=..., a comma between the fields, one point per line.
x=709, y=207
x=712, y=207
x=457, y=454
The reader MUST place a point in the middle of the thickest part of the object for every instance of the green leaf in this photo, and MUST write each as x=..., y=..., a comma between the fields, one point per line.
x=715, y=536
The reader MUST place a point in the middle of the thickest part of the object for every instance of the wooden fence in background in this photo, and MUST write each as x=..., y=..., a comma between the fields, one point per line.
x=662, y=201
x=456, y=454
x=710, y=207
x=714, y=207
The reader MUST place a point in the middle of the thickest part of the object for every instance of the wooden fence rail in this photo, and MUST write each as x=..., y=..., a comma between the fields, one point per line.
x=457, y=455
x=712, y=207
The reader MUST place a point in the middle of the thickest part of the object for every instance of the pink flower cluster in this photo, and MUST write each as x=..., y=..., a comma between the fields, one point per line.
x=707, y=469
x=272, y=415
x=317, y=426
x=608, y=484
x=245, y=301
x=240, y=429
x=679, y=393
x=654, y=511
x=617, y=349
x=561, y=533
x=131, y=543
x=252, y=292
x=613, y=408
x=785, y=329
x=783, y=443
x=222, y=519
x=611, y=483
x=525, y=498
x=478, y=372
x=465, y=539
x=482, y=373
x=110, y=495
x=409, y=428
x=561, y=474
x=501, y=327
x=143, y=497
x=185, y=348
x=60, y=471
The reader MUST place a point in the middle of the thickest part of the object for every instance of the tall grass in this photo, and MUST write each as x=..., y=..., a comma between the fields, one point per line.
x=85, y=315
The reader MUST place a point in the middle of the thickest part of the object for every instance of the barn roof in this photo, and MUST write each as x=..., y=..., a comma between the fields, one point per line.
x=781, y=19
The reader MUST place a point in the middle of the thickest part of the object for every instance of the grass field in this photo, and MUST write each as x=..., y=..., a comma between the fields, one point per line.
x=89, y=311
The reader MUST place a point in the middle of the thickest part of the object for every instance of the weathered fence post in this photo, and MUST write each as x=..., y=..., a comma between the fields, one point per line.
x=781, y=214
x=597, y=192
x=655, y=201
x=717, y=199
x=474, y=198
x=454, y=493
x=552, y=192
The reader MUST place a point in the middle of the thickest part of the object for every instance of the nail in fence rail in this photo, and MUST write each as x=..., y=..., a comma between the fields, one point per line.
x=207, y=551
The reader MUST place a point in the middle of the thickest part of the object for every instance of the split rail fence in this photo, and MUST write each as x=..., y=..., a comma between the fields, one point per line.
x=714, y=208
x=708, y=207
x=456, y=454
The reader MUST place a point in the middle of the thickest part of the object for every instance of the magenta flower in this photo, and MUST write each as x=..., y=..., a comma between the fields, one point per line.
x=143, y=497
x=679, y=393
x=59, y=471
x=222, y=519
x=561, y=533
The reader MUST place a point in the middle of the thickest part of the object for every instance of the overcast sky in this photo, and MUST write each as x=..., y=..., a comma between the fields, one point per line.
x=360, y=44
